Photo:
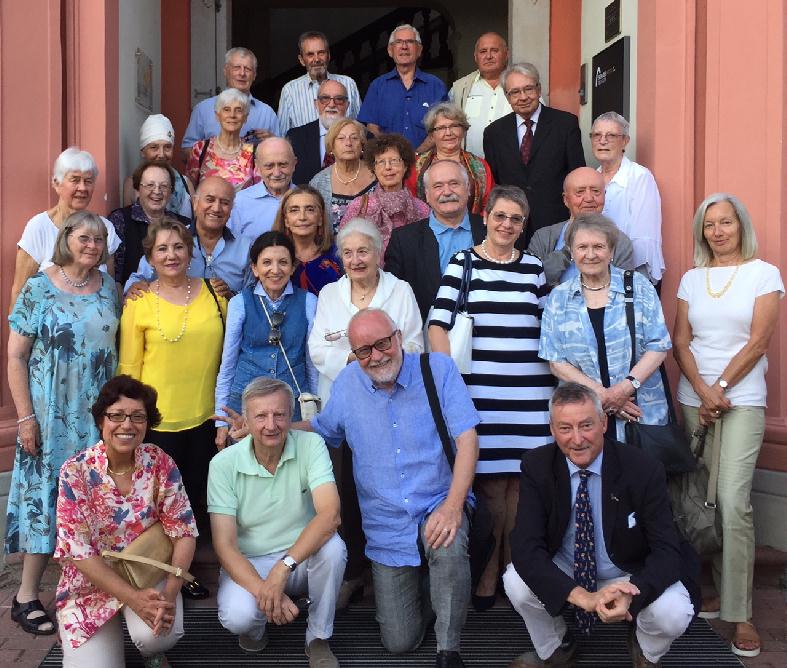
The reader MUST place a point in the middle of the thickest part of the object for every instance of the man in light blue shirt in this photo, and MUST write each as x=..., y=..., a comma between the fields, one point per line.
x=240, y=70
x=296, y=104
x=411, y=502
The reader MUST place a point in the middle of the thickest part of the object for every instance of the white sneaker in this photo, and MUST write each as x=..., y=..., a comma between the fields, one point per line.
x=252, y=646
x=320, y=654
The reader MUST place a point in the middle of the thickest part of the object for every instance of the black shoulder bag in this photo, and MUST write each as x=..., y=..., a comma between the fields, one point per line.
x=481, y=541
x=665, y=442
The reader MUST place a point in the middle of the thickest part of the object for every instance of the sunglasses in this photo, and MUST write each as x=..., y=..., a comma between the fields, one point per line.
x=381, y=344
x=335, y=336
x=274, y=336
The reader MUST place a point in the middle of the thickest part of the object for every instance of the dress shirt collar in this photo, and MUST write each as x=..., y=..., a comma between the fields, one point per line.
x=260, y=290
x=595, y=465
x=536, y=115
x=623, y=174
x=478, y=78
x=259, y=191
x=248, y=464
x=403, y=380
x=394, y=74
x=441, y=228
x=226, y=234
x=615, y=281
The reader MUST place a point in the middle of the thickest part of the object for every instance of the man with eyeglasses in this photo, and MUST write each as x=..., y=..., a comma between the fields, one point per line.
x=397, y=101
x=297, y=101
x=583, y=192
x=412, y=504
x=240, y=71
x=534, y=147
x=308, y=141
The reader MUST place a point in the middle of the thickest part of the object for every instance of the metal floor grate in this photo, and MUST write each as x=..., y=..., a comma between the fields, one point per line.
x=490, y=640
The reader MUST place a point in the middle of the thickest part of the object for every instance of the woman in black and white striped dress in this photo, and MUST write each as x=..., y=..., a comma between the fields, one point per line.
x=509, y=383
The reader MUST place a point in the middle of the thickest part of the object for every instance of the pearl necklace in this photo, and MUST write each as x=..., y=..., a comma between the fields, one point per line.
x=727, y=285
x=228, y=151
x=185, y=313
x=74, y=284
x=491, y=259
x=598, y=289
x=357, y=172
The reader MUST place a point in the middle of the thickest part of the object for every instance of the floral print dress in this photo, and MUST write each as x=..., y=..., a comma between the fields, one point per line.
x=73, y=355
x=92, y=515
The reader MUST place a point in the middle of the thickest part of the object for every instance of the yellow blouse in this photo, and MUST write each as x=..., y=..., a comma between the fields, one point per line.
x=183, y=373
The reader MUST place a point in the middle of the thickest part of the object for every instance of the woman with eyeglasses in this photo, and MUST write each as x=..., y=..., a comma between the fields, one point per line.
x=154, y=181
x=448, y=125
x=389, y=205
x=509, y=384
x=61, y=350
x=268, y=326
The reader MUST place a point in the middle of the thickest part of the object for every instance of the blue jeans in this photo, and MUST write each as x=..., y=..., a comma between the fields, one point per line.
x=405, y=599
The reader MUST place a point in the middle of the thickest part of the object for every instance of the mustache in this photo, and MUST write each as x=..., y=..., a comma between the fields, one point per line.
x=452, y=197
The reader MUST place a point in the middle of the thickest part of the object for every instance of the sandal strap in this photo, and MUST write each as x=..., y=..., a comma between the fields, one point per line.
x=31, y=606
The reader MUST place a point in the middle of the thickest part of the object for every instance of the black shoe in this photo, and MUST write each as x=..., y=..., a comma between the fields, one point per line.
x=481, y=603
x=194, y=590
x=20, y=613
x=449, y=660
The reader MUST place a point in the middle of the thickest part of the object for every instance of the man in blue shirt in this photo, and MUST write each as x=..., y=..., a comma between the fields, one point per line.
x=398, y=100
x=240, y=70
x=412, y=505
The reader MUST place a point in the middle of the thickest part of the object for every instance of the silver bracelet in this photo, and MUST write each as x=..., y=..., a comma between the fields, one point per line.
x=26, y=418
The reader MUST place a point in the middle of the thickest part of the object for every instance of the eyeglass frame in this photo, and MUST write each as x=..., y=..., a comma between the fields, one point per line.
x=381, y=345
x=335, y=336
x=112, y=417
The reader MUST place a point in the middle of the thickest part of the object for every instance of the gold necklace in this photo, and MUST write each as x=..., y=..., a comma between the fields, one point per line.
x=185, y=313
x=357, y=172
x=727, y=285
x=128, y=470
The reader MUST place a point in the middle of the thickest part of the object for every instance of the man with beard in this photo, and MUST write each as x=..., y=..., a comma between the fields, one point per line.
x=296, y=104
x=308, y=141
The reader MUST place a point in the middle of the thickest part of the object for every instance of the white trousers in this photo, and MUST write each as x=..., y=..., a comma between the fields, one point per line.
x=105, y=648
x=320, y=577
x=658, y=625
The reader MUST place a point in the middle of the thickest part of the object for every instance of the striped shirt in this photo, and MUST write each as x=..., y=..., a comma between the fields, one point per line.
x=296, y=104
x=509, y=383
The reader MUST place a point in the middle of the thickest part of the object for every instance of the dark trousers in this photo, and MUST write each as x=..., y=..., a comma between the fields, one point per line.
x=351, y=529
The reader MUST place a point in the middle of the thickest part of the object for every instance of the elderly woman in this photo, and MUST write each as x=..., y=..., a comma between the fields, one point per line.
x=110, y=493
x=171, y=338
x=156, y=143
x=227, y=155
x=632, y=197
x=390, y=204
x=448, y=125
x=728, y=307
x=61, y=350
x=303, y=220
x=591, y=307
x=154, y=181
x=363, y=285
x=73, y=179
x=267, y=328
x=349, y=177
x=510, y=386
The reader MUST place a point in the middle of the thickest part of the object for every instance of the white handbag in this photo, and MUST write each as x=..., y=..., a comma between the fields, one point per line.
x=460, y=336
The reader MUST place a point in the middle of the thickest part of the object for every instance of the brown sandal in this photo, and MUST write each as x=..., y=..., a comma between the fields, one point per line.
x=746, y=641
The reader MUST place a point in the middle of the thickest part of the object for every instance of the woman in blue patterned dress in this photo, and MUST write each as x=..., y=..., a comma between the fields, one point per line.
x=61, y=350
x=585, y=335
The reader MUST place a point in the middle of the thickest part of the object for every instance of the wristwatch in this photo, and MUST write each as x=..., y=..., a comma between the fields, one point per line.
x=634, y=382
x=723, y=384
x=289, y=562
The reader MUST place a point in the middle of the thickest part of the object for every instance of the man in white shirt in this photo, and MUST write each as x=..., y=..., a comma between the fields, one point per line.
x=296, y=104
x=480, y=94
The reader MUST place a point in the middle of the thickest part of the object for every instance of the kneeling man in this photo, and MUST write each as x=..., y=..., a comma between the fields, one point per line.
x=594, y=529
x=274, y=512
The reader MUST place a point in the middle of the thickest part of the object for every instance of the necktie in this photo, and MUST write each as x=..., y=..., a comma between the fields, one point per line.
x=584, y=549
x=328, y=160
x=527, y=142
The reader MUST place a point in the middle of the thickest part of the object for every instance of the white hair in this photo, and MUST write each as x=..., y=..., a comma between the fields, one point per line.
x=360, y=226
x=73, y=160
x=243, y=52
x=404, y=26
x=232, y=95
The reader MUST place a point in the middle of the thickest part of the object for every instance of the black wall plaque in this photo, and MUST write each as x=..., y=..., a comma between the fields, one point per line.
x=611, y=20
x=610, y=79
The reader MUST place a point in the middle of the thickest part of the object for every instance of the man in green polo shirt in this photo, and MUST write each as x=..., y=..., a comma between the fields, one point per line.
x=274, y=512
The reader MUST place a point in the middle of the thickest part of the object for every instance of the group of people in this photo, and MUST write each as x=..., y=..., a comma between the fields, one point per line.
x=279, y=296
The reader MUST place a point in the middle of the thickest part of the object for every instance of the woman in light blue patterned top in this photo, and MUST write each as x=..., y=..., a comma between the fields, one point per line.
x=585, y=336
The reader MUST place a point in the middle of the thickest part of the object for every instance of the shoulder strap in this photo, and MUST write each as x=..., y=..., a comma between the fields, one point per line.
x=437, y=413
x=216, y=299
x=203, y=153
x=628, y=288
x=364, y=205
x=464, y=286
x=175, y=570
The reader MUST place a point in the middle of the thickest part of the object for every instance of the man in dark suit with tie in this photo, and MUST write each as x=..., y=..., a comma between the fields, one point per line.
x=594, y=530
x=534, y=147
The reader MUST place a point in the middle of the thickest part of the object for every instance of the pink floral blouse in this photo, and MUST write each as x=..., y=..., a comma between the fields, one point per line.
x=239, y=171
x=92, y=515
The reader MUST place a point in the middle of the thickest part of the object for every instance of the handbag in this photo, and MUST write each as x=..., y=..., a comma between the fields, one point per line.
x=665, y=442
x=693, y=497
x=460, y=335
x=481, y=540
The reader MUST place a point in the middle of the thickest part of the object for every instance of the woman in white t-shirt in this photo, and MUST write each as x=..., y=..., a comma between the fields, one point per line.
x=727, y=311
x=73, y=179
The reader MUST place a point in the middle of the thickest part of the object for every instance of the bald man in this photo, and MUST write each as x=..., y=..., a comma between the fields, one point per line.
x=255, y=208
x=583, y=192
x=480, y=94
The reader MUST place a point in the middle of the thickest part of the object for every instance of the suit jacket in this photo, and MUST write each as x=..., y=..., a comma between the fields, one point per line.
x=305, y=140
x=633, y=485
x=557, y=150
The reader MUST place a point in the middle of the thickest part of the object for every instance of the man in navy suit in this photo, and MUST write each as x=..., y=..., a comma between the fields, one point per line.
x=599, y=510
x=534, y=147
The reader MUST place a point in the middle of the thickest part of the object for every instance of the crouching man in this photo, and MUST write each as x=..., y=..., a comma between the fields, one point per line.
x=274, y=512
x=595, y=530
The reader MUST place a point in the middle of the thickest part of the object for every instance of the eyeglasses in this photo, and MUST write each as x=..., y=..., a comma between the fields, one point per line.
x=274, y=336
x=155, y=187
x=606, y=136
x=335, y=336
x=382, y=345
x=529, y=91
x=404, y=42
x=442, y=129
x=120, y=417
x=500, y=217
x=85, y=239
x=336, y=99
x=389, y=162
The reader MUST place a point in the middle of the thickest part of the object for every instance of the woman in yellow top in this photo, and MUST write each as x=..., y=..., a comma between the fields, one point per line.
x=171, y=338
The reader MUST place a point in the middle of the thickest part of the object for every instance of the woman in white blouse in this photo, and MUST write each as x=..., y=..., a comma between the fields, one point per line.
x=632, y=197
